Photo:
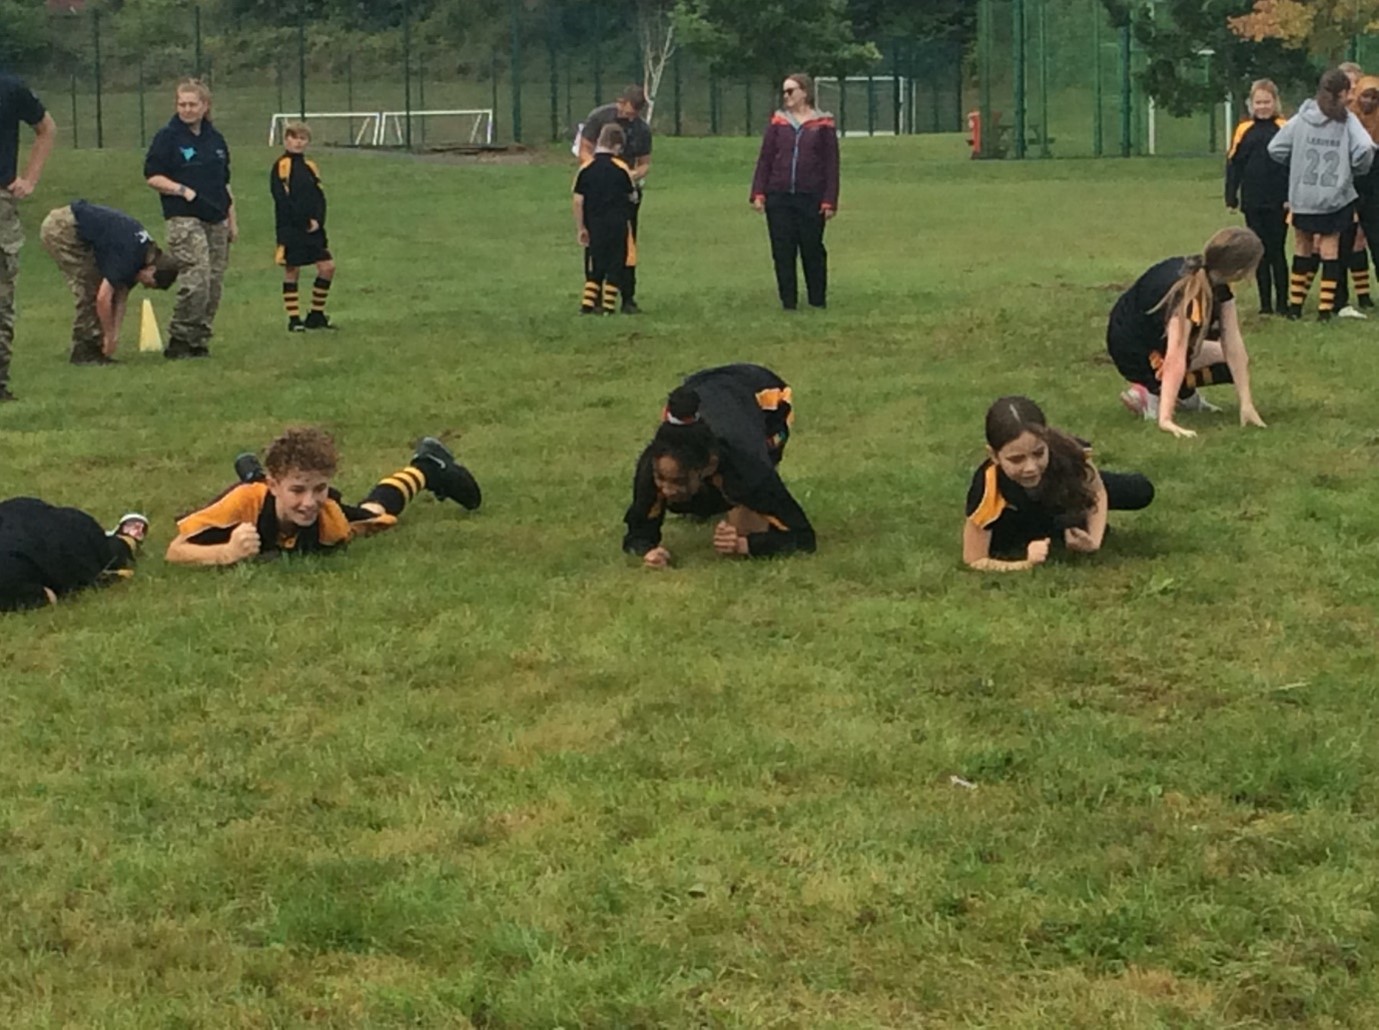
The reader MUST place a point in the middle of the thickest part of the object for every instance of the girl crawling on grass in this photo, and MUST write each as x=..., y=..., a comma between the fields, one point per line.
x=1038, y=491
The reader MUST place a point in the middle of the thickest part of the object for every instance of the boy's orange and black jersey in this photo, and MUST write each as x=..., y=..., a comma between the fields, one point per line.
x=750, y=410
x=298, y=198
x=336, y=523
x=1013, y=515
x=1253, y=178
x=605, y=183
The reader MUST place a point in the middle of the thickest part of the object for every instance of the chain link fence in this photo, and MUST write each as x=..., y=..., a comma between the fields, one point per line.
x=109, y=76
x=1042, y=78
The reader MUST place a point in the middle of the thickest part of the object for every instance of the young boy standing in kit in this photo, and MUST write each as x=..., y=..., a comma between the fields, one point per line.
x=603, y=198
x=300, y=213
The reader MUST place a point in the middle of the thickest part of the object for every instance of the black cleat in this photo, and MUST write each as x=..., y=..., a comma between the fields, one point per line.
x=445, y=477
x=177, y=349
x=317, y=320
x=629, y=307
x=248, y=469
x=296, y=325
x=5, y=394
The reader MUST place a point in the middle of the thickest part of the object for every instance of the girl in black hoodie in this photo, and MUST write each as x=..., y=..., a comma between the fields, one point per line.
x=1258, y=186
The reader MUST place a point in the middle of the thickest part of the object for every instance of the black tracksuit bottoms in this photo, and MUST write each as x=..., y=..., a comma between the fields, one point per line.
x=796, y=226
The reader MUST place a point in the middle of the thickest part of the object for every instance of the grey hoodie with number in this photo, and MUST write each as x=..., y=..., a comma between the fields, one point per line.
x=1323, y=158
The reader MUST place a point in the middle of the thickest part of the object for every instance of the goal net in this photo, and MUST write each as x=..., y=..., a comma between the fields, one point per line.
x=332, y=128
x=433, y=129
x=437, y=129
x=868, y=105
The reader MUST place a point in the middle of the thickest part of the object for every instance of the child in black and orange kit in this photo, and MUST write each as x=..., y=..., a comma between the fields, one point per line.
x=291, y=508
x=300, y=212
x=603, y=199
x=1257, y=185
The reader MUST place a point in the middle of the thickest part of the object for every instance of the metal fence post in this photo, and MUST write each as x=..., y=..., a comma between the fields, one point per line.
x=1125, y=90
x=516, y=73
x=984, y=71
x=76, y=139
x=96, y=44
x=1097, y=141
x=1017, y=36
x=679, y=126
x=301, y=58
x=1044, y=79
x=406, y=73
x=553, y=57
x=196, y=27
x=747, y=106
x=143, y=124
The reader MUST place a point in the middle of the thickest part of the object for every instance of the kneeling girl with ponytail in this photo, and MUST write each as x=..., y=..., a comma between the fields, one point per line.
x=1177, y=329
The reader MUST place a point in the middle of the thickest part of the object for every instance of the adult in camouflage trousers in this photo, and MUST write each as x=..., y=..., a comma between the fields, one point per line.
x=17, y=104
x=188, y=164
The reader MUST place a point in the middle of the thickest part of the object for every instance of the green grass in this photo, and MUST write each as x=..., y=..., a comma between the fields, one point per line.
x=483, y=770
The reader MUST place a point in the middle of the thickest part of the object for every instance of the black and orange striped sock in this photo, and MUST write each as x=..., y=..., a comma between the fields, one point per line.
x=320, y=289
x=591, y=296
x=394, y=492
x=292, y=300
x=1300, y=280
x=1332, y=270
x=1359, y=275
x=610, y=296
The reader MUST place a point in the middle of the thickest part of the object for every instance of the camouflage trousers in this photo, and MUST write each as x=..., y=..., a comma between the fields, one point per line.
x=11, y=239
x=202, y=250
x=78, y=263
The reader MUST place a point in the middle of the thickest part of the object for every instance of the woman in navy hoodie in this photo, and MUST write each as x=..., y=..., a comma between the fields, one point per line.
x=796, y=184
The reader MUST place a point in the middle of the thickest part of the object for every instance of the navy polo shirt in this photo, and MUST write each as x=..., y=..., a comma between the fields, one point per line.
x=17, y=104
x=199, y=160
x=121, y=244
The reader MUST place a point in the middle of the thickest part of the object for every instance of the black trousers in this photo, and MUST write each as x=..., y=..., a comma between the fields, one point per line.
x=605, y=259
x=629, y=275
x=796, y=226
x=1343, y=286
x=1271, y=226
x=1127, y=491
x=1367, y=208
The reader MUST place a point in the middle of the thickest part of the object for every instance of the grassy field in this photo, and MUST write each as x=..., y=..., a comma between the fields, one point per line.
x=485, y=771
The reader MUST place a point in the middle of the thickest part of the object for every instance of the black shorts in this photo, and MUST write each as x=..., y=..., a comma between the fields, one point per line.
x=1332, y=224
x=300, y=250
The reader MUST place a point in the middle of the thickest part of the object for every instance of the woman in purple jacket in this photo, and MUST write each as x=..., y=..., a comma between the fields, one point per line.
x=796, y=184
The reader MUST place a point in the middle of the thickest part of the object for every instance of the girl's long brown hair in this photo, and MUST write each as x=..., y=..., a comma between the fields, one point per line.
x=1230, y=254
x=1333, y=83
x=1067, y=485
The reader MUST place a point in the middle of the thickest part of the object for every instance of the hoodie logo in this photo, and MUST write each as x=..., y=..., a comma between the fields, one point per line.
x=188, y=153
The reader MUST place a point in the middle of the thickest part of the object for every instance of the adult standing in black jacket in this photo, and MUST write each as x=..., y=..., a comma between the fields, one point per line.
x=188, y=163
x=626, y=112
x=1258, y=186
x=796, y=184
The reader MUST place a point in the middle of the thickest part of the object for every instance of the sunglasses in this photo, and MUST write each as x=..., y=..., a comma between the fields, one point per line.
x=790, y=89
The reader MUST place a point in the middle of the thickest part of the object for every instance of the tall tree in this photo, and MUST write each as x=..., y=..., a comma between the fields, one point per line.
x=1321, y=27
x=770, y=37
x=1194, y=58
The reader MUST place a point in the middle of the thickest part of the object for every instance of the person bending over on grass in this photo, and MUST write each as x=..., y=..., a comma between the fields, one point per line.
x=48, y=552
x=291, y=508
x=722, y=434
x=102, y=253
x=1177, y=329
x=299, y=206
x=1038, y=491
x=1324, y=146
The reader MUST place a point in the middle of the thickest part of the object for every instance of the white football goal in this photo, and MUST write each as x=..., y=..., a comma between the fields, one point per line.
x=867, y=105
x=430, y=128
